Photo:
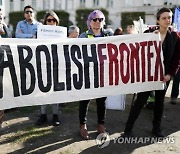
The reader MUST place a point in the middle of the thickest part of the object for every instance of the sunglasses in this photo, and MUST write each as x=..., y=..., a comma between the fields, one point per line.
x=49, y=20
x=27, y=12
x=97, y=19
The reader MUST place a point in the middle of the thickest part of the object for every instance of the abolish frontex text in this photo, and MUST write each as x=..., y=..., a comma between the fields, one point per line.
x=116, y=64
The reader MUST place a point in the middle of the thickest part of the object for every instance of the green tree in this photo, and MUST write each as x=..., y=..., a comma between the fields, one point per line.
x=128, y=17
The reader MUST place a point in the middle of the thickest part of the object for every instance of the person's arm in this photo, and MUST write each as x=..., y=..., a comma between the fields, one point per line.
x=19, y=33
x=6, y=31
x=175, y=62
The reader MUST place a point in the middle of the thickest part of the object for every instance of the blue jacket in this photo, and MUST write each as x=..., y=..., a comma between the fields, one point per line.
x=26, y=30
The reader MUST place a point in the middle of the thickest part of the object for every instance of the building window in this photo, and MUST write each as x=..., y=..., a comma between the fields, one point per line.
x=128, y=3
x=82, y=3
x=46, y=4
x=109, y=3
x=96, y=3
x=11, y=5
x=34, y=4
x=147, y=2
x=57, y=4
x=22, y=4
x=167, y=2
x=0, y=2
x=70, y=4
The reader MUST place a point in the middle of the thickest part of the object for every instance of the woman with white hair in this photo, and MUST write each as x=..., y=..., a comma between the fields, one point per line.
x=73, y=31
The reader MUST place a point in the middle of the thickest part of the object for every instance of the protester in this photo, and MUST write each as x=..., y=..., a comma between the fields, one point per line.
x=170, y=49
x=52, y=19
x=175, y=86
x=3, y=34
x=130, y=29
x=118, y=31
x=73, y=31
x=27, y=28
x=95, y=23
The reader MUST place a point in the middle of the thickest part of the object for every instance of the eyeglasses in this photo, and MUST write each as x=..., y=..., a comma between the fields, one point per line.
x=97, y=19
x=49, y=20
x=27, y=12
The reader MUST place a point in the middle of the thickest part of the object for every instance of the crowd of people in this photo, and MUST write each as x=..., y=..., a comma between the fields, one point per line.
x=27, y=28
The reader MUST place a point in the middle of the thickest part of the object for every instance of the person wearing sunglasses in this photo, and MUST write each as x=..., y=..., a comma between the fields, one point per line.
x=27, y=28
x=52, y=19
x=95, y=25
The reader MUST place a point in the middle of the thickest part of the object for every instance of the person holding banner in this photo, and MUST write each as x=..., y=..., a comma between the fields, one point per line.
x=176, y=78
x=4, y=32
x=171, y=47
x=52, y=19
x=27, y=28
x=95, y=24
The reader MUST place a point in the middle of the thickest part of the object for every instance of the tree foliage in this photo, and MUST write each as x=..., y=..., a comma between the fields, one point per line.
x=128, y=17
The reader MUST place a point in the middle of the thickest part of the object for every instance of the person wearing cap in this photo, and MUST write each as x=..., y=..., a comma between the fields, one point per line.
x=95, y=24
x=52, y=19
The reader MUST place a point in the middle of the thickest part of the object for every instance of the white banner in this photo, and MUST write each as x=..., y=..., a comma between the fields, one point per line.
x=37, y=71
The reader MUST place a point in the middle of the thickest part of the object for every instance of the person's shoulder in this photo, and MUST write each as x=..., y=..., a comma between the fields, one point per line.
x=107, y=33
x=83, y=35
x=21, y=22
x=37, y=22
x=175, y=33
